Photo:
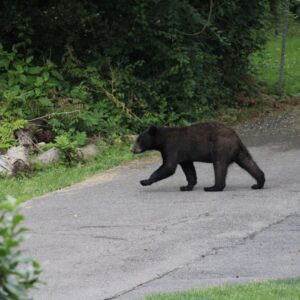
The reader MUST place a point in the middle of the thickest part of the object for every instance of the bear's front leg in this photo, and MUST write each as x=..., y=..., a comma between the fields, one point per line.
x=145, y=182
x=164, y=171
x=191, y=176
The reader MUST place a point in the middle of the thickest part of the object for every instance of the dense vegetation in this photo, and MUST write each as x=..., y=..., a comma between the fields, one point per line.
x=112, y=67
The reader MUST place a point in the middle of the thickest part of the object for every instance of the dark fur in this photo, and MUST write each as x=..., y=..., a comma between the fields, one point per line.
x=208, y=142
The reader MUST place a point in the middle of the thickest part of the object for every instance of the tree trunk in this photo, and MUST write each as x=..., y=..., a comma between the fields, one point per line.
x=286, y=4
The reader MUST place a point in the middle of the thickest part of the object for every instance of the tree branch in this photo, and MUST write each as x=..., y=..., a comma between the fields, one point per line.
x=55, y=114
x=205, y=25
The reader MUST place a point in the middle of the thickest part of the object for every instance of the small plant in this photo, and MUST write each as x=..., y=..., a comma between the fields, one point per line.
x=18, y=274
x=7, y=129
x=68, y=144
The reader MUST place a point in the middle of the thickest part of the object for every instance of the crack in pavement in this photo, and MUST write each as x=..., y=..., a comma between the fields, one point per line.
x=108, y=238
x=160, y=276
x=105, y=237
x=252, y=236
x=183, y=220
x=110, y=226
x=211, y=252
x=160, y=227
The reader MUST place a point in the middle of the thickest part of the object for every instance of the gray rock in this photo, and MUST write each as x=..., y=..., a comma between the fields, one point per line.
x=18, y=153
x=16, y=159
x=88, y=152
x=40, y=145
x=51, y=156
x=131, y=138
x=6, y=168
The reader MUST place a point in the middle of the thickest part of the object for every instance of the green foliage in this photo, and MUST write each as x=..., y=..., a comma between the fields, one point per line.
x=126, y=65
x=28, y=91
x=171, y=68
x=295, y=8
x=18, y=274
x=67, y=148
x=25, y=88
x=68, y=144
x=7, y=129
x=80, y=138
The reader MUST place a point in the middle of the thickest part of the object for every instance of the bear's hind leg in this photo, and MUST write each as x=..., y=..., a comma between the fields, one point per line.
x=220, y=169
x=191, y=176
x=245, y=161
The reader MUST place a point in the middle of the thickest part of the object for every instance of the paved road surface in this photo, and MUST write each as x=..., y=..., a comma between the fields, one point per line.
x=110, y=238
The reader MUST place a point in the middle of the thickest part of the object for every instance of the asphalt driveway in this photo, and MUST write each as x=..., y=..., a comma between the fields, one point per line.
x=110, y=238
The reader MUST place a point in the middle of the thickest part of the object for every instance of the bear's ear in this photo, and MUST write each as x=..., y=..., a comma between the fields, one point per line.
x=152, y=130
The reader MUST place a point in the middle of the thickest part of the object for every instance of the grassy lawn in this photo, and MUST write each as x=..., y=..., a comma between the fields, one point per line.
x=270, y=290
x=59, y=176
x=266, y=63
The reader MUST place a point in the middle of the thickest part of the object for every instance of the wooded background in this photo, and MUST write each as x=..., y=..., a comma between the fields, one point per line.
x=118, y=66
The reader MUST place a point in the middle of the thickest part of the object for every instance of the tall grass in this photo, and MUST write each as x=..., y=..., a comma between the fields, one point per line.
x=266, y=62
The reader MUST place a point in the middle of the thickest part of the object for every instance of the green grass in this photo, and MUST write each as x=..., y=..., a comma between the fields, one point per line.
x=59, y=176
x=266, y=64
x=270, y=290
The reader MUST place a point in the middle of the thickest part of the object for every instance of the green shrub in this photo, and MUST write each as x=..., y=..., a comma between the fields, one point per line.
x=127, y=64
x=7, y=129
x=18, y=274
x=26, y=89
x=29, y=91
x=68, y=143
x=165, y=61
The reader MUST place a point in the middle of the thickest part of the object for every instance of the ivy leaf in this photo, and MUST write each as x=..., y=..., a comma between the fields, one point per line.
x=35, y=70
x=29, y=59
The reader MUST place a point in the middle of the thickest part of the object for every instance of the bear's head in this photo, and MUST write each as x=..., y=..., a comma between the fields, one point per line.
x=145, y=141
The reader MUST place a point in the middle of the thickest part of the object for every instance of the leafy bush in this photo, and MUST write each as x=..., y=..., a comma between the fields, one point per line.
x=68, y=143
x=29, y=91
x=18, y=274
x=126, y=64
x=7, y=129
x=165, y=61
x=25, y=88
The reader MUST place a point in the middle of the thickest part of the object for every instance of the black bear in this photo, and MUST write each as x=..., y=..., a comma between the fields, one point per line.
x=207, y=142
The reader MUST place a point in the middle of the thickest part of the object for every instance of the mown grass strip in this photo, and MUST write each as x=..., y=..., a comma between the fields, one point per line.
x=269, y=290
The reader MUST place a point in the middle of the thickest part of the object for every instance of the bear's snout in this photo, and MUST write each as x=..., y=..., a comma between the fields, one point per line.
x=136, y=148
